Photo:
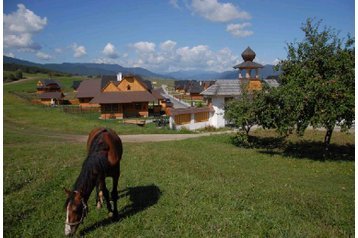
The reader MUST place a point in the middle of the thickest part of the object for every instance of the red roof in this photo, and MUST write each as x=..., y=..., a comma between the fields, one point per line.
x=123, y=97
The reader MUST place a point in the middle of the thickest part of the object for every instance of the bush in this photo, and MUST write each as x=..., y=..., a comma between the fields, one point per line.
x=241, y=139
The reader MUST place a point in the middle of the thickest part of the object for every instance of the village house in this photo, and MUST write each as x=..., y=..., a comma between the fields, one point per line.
x=48, y=85
x=49, y=92
x=89, y=88
x=129, y=96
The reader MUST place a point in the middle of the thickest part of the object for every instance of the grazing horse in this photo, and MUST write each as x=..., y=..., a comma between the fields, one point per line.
x=103, y=160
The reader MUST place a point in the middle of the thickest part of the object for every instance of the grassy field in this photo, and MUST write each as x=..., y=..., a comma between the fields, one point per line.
x=203, y=187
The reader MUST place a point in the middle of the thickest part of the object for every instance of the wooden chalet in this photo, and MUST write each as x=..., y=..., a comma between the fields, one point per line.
x=48, y=85
x=128, y=97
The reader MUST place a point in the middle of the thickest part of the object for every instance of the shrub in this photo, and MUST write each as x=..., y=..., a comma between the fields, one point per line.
x=241, y=139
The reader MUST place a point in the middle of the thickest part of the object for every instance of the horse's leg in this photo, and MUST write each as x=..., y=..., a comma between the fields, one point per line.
x=99, y=197
x=114, y=195
x=105, y=191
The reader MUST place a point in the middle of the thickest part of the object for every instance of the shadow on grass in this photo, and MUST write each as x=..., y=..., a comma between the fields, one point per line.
x=303, y=149
x=141, y=197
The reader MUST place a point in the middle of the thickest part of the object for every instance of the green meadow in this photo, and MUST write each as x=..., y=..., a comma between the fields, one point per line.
x=202, y=187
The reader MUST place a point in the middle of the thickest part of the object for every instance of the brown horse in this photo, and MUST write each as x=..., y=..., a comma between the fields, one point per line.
x=103, y=160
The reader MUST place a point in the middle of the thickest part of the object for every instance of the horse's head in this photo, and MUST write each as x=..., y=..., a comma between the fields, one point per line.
x=76, y=211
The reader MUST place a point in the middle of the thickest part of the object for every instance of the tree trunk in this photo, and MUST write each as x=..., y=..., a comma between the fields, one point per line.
x=327, y=140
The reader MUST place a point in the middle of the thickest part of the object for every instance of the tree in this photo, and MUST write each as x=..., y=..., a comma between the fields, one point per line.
x=241, y=111
x=317, y=83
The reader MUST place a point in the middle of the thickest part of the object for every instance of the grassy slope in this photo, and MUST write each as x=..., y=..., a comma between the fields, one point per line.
x=218, y=190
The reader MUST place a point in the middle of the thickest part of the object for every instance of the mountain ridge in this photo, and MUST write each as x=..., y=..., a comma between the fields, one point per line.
x=112, y=69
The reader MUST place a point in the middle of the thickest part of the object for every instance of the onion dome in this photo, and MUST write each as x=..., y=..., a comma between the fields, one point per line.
x=248, y=54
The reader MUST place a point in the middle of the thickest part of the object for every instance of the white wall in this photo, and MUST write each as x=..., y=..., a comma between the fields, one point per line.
x=217, y=120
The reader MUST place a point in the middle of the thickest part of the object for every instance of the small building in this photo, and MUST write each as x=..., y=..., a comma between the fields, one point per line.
x=51, y=98
x=225, y=90
x=128, y=97
x=48, y=85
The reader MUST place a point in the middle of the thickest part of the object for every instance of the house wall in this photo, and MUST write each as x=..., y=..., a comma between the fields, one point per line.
x=133, y=84
x=111, y=87
x=217, y=119
x=119, y=111
x=192, y=121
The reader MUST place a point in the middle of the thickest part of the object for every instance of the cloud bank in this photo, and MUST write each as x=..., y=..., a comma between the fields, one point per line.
x=19, y=28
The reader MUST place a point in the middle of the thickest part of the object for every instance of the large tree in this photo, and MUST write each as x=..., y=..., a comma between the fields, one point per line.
x=317, y=84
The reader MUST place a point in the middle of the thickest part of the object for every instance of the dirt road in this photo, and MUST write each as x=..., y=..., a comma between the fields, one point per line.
x=140, y=138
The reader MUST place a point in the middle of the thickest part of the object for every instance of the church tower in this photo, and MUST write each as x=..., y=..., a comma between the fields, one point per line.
x=251, y=70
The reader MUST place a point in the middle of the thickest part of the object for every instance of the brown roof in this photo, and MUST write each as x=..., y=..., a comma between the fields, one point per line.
x=50, y=95
x=123, y=97
x=178, y=111
x=157, y=93
x=248, y=65
x=89, y=88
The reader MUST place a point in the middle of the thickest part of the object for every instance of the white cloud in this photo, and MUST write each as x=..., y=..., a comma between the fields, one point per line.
x=20, y=26
x=168, y=45
x=43, y=56
x=79, y=50
x=168, y=57
x=10, y=54
x=58, y=50
x=110, y=51
x=239, y=30
x=218, y=12
x=144, y=47
x=174, y=3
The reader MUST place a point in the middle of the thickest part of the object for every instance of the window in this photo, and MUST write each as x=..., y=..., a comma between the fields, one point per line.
x=182, y=119
x=128, y=87
x=201, y=116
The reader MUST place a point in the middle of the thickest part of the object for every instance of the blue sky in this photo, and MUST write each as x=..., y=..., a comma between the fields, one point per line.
x=163, y=35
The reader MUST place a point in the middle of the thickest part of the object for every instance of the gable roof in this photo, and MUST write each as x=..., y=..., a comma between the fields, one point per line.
x=50, y=95
x=224, y=87
x=49, y=82
x=89, y=88
x=158, y=93
x=123, y=97
x=145, y=83
x=105, y=79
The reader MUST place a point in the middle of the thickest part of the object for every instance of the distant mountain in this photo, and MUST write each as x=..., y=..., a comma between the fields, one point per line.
x=87, y=68
x=267, y=70
x=112, y=69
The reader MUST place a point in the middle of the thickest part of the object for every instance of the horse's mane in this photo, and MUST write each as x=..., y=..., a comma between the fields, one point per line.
x=95, y=164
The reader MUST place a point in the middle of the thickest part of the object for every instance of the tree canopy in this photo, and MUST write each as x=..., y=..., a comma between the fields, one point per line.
x=317, y=83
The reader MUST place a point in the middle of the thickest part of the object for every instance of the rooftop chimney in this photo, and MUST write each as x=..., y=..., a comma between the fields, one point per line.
x=119, y=77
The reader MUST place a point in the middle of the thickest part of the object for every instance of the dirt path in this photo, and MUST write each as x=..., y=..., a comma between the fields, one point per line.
x=19, y=81
x=139, y=138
